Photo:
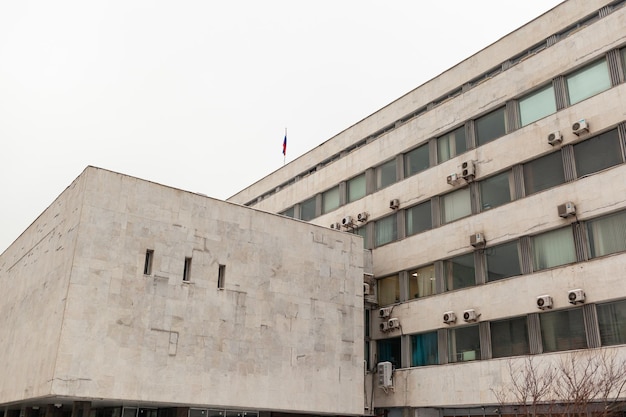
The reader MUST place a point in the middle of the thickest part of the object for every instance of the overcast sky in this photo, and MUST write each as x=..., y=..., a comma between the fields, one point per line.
x=197, y=94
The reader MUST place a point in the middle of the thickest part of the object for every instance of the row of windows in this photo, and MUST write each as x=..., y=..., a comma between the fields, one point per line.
x=575, y=243
x=560, y=92
x=553, y=331
x=149, y=259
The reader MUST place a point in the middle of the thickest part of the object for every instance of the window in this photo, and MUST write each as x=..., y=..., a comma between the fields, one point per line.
x=386, y=174
x=330, y=200
x=390, y=350
x=597, y=153
x=563, y=330
x=418, y=218
x=588, y=81
x=422, y=282
x=537, y=105
x=459, y=272
x=187, y=270
x=463, y=344
x=624, y=60
x=221, y=276
x=612, y=323
x=386, y=230
x=495, y=191
x=416, y=161
x=451, y=144
x=491, y=126
x=307, y=209
x=290, y=212
x=553, y=249
x=509, y=337
x=607, y=234
x=356, y=188
x=147, y=266
x=502, y=261
x=362, y=231
x=543, y=173
x=455, y=205
x=388, y=290
x=424, y=349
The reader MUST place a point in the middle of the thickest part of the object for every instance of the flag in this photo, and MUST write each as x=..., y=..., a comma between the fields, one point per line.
x=285, y=146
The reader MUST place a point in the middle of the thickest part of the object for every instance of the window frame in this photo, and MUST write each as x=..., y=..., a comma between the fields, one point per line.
x=578, y=73
x=491, y=137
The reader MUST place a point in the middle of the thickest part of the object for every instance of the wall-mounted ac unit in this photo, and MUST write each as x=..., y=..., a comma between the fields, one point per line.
x=453, y=179
x=393, y=324
x=384, y=326
x=362, y=217
x=555, y=138
x=394, y=204
x=477, y=240
x=544, y=302
x=385, y=371
x=567, y=209
x=335, y=225
x=384, y=312
x=470, y=315
x=366, y=288
x=346, y=221
x=580, y=127
x=468, y=170
x=576, y=296
x=449, y=317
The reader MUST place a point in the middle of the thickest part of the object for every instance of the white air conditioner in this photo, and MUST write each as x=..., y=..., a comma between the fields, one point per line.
x=470, y=315
x=567, y=209
x=580, y=127
x=452, y=179
x=384, y=326
x=576, y=296
x=555, y=138
x=393, y=324
x=346, y=221
x=544, y=302
x=468, y=170
x=449, y=317
x=335, y=226
x=394, y=204
x=362, y=217
x=384, y=312
x=477, y=240
x=366, y=288
x=385, y=371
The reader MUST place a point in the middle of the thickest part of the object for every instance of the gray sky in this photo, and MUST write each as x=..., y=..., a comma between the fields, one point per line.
x=197, y=94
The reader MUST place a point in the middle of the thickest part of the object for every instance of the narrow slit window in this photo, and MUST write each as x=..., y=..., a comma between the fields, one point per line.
x=221, y=276
x=147, y=266
x=187, y=270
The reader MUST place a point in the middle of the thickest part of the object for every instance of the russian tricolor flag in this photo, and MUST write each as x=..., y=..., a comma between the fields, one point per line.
x=285, y=145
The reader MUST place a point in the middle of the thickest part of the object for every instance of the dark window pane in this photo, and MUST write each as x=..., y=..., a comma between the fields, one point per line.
x=416, y=160
x=386, y=230
x=390, y=350
x=491, y=126
x=356, y=188
x=509, y=337
x=563, y=330
x=543, y=173
x=289, y=212
x=495, y=191
x=307, y=209
x=463, y=344
x=607, y=234
x=418, y=218
x=451, y=144
x=386, y=174
x=424, y=349
x=502, y=261
x=598, y=153
x=612, y=322
x=459, y=272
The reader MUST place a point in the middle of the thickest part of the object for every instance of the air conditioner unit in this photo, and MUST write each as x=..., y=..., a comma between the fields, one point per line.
x=470, y=315
x=477, y=240
x=335, y=226
x=384, y=326
x=384, y=312
x=555, y=138
x=576, y=296
x=394, y=204
x=346, y=221
x=385, y=371
x=544, y=302
x=362, y=217
x=580, y=127
x=468, y=170
x=453, y=179
x=449, y=317
x=366, y=288
x=393, y=324
x=567, y=209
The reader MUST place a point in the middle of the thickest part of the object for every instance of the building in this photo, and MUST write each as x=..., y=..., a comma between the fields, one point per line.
x=493, y=200
x=126, y=298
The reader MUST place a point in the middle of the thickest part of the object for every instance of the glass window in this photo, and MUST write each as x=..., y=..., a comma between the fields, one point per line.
x=553, y=249
x=451, y=144
x=356, y=188
x=491, y=126
x=386, y=174
x=495, y=191
x=509, y=337
x=588, y=81
x=390, y=350
x=597, y=153
x=455, y=205
x=388, y=290
x=416, y=161
x=624, y=60
x=563, y=330
x=307, y=209
x=422, y=282
x=459, y=272
x=386, y=230
x=424, y=349
x=543, y=173
x=418, y=218
x=537, y=105
x=607, y=234
x=290, y=212
x=612, y=323
x=463, y=344
x=502, y=261
x=330, y=200
x=362, y=231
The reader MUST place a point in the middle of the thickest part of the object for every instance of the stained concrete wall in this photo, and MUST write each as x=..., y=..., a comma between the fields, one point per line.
x=285, y=332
